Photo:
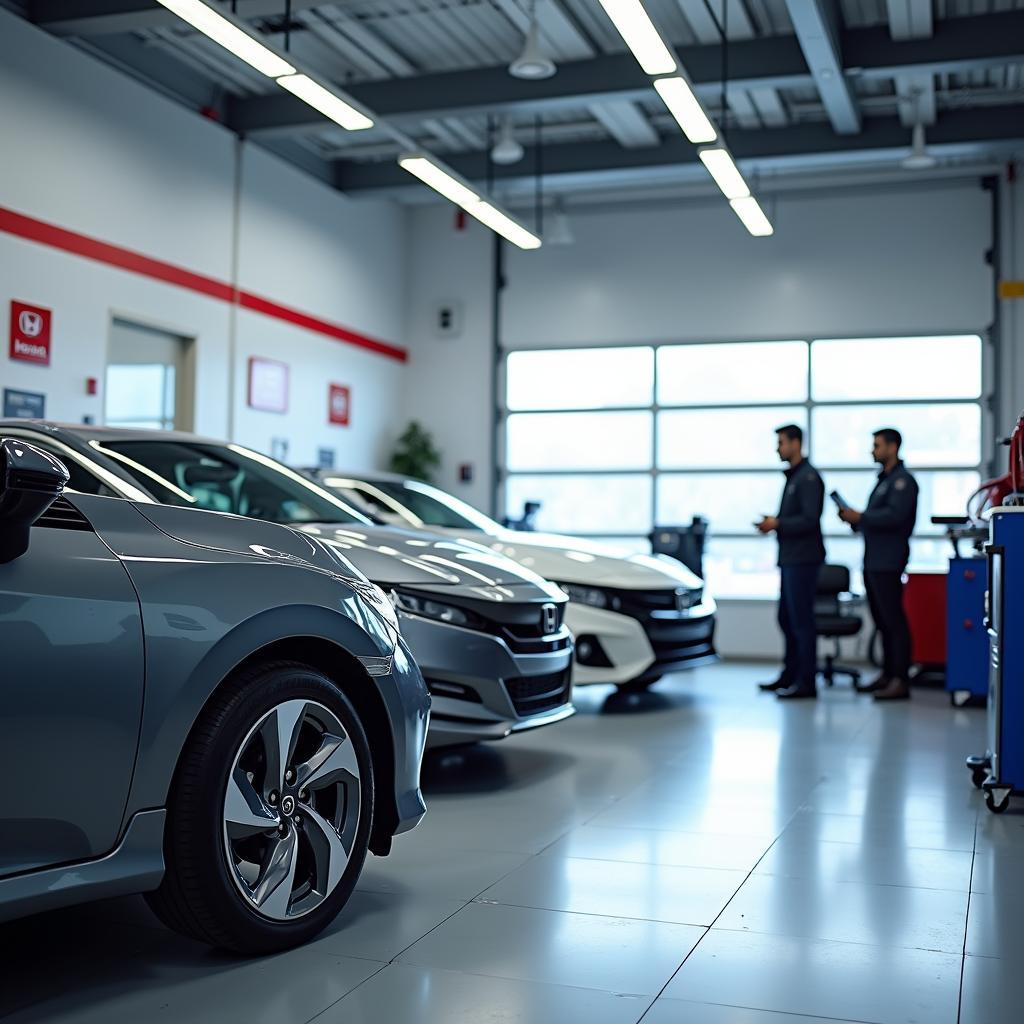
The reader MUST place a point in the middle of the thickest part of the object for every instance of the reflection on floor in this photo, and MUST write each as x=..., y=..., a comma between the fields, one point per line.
x=714, y=858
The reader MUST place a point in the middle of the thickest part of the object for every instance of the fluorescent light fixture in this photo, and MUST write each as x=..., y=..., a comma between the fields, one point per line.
x=461, y=194
x=229, y=35
x=754, y=220
x=686, y=109
x=637, y=29
x=503, y=225
x=726, y=174
x=439, y=180
x=328, y=103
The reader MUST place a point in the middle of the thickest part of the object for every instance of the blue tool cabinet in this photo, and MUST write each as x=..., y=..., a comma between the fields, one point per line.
x=966, y=636
x=1003, y=762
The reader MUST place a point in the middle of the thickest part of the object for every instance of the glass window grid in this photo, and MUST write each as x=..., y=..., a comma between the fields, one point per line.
x=808, y=404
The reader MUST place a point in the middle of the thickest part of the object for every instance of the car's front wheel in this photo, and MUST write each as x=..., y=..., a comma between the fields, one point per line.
x=270, y=813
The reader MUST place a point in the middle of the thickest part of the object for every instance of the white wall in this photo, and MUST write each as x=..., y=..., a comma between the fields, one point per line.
x=90, y=150
x=901, y=261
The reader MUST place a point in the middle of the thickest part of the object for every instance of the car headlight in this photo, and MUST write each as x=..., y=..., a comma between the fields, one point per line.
x=382, y=605
x=414, y=604
x=586, y=595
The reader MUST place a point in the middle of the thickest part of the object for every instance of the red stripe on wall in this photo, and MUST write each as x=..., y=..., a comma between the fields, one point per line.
x=22, y=226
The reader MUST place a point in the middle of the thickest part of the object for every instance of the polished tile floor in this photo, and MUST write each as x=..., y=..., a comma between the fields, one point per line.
x=709, y=857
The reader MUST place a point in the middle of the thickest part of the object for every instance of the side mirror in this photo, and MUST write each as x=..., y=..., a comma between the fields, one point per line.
x=30, y=479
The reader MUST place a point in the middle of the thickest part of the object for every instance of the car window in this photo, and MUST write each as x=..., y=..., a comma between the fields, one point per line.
x=227, y=478
x=419, y=504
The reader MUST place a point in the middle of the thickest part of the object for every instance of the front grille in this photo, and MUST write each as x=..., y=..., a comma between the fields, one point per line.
x=531, y=695
x=542, y=645
x=646, y=605
x=529, y=636
x=62, y=515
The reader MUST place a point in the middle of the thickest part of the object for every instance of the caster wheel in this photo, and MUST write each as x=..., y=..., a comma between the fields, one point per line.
x=997, y=804
x=978, y=776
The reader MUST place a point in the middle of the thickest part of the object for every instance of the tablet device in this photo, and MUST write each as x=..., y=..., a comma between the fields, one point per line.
x=839, y=500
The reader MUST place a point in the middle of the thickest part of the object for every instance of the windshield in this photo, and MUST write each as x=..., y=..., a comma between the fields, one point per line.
x=417, y=504
x=227, y=478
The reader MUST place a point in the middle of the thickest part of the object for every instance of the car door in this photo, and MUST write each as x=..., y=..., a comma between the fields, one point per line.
x=71, y=687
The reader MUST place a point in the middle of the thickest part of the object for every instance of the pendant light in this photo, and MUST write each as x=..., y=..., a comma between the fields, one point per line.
x=532, y=63
x=508, y=149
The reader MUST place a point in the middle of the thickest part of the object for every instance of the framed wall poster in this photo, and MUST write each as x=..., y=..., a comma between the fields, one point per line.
x=268, y=385
x=339, y=404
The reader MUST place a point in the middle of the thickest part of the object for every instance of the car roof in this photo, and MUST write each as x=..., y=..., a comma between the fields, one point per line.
x=90, y=432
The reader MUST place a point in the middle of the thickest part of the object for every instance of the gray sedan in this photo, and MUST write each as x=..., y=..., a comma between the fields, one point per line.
x=215, y=711
x=488, y=634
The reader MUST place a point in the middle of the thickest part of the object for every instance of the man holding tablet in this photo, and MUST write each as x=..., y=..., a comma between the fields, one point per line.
x=801, y=556
x=886, y=525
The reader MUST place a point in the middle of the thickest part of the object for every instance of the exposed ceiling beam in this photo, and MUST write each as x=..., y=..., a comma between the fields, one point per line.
x=959, y=44
x=805, y=141
x=816, y=24
x=109, y=17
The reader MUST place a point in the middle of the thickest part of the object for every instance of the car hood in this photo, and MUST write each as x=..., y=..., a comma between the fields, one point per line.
x=587, y=563
x=390, y=556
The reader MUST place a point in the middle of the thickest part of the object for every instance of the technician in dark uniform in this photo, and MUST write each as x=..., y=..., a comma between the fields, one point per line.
x=801, y=556
x=886, y=525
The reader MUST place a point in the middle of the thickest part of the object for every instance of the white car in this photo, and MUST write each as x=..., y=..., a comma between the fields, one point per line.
x=634, y=618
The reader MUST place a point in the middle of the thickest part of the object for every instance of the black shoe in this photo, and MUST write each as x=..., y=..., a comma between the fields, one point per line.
x=880, y=682
x=897, y=689
x=779, y=684
x=796, y=693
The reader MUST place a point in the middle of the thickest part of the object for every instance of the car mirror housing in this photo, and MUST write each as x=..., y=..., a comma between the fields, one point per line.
x=30, y=480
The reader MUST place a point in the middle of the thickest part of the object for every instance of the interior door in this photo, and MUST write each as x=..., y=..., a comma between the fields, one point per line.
x=71, y=686
x=149, y=379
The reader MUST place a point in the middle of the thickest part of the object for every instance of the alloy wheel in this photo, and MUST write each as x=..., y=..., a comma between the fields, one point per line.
x=291, y=809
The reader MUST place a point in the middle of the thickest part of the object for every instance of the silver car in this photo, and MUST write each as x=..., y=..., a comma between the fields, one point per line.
x=488, y=634
x=214, y=711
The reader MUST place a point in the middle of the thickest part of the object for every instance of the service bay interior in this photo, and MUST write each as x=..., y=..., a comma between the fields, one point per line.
x=511, y=511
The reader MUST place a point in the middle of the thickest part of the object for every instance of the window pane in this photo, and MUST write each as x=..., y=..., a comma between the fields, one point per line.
x=706, y=438
x=579, y=440
x=730, y=502
x=737, y=567
x=886, y=368
x=136, y=392
x=943, y=493
x=584, y=504
x=773, y=371
x=933, y=435
x=587, y=378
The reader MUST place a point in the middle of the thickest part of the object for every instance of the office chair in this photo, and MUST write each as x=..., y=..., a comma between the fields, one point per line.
x=834, y=619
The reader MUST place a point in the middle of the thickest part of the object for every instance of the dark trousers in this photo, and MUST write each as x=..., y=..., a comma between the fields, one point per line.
x=796, y=620
x=885, y=598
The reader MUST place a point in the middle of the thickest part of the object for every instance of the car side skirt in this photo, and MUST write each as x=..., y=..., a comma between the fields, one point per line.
x=135, y=865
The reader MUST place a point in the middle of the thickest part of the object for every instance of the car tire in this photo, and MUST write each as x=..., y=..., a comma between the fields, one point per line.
x=205, y=893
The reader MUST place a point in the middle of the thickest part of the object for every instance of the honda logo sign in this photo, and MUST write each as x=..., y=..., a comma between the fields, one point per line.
x=30, y=333
x=549, y=619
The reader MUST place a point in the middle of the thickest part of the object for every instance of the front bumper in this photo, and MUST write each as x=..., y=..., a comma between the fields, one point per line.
x=482, y=689
x=641, y=646
x=408, y=706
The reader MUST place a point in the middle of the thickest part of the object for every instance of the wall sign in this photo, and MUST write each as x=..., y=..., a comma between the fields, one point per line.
x=24, y=405
x=30, y=333
x=325, y=458
x=268, y=385
x=339, y=404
